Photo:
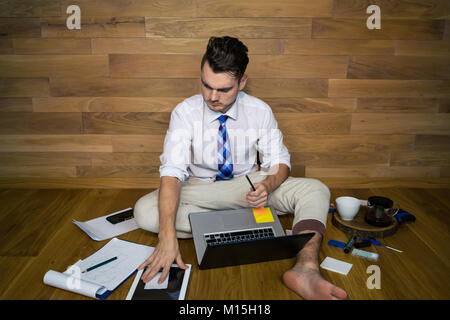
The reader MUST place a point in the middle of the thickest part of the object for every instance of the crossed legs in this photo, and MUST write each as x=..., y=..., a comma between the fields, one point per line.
x=308, y=199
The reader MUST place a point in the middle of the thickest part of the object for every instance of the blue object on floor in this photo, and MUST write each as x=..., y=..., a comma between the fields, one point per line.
x=335, y=243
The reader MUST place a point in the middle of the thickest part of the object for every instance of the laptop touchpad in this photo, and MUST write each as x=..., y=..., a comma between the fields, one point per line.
x=236, y=220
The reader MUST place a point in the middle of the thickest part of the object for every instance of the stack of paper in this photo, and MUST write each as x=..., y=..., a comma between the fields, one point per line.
x=101, y=282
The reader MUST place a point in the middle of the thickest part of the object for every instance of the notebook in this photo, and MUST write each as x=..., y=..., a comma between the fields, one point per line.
x=102, y=281
x=242, y=236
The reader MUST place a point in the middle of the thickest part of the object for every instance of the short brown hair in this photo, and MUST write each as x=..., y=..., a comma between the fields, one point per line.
x=226, y=54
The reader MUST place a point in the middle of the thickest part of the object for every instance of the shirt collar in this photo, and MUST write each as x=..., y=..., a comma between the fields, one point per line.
x=213, y=115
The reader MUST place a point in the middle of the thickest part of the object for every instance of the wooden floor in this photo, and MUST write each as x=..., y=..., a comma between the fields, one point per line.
x=37, y=234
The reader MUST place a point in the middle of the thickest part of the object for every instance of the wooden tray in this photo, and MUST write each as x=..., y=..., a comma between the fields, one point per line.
x=361, y=228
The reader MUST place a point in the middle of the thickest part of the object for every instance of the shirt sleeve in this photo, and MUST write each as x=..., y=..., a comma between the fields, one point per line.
x=270, y=144
x=176, y=155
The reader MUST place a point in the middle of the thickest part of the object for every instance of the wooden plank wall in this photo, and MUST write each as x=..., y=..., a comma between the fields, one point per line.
x=90, y=107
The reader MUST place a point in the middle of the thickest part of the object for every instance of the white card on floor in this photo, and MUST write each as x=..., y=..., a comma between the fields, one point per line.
x=336, y=265
x=153, y=284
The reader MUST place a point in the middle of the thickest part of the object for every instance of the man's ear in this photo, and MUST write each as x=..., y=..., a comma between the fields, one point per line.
x=243, y=82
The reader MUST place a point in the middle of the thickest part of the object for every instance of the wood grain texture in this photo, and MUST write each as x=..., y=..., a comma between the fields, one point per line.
x=338, y=47
x=38, y=87
x=374, y=172
x=339, y=159
x=263, y=28
x=401, y=9
x=102, y=104
x=176, y=45
x=122, y=26
x=26, y=240
x=391, y=29
x=396, y=123
x=88, y=87
x=349, y=143
x=126, y=123
x=255, y=8
x=206, y=8
x=93, y=105
x=388, y=88
x=371, y=67
x=154, y=66
x=432, y=142
x=117, y=171
x=38, y=172
x=154, y=183
x=45, y=159
x=20, y=28
x=136, y=8
x=422, y=48
x=55, y=143
x=137, y=143
x=393, y=105
x=293, y=123
x=421, y=158
x=311, y=105
x=287, y=88
x=30, y=8
x=40, y=123
x=16, y=105
x=296, y=66
x=36, y=66
x=52, y=46
x=6, y=46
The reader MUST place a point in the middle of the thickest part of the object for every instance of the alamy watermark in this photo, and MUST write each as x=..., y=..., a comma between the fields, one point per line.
x=73, y=282
x=374, y=21
x=374, y=281
x=74, y=20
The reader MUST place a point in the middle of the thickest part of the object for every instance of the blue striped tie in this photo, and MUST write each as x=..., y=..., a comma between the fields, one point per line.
x=225, y=163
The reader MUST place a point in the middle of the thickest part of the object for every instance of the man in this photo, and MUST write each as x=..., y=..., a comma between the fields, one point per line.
x=212, y=142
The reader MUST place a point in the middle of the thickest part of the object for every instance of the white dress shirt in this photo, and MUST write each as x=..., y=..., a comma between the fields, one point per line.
x=190, y=145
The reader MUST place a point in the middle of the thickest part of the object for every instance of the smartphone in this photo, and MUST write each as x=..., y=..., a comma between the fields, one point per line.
x=121, y=216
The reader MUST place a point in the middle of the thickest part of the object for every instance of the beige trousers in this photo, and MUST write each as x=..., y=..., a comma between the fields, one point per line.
x=308, y=199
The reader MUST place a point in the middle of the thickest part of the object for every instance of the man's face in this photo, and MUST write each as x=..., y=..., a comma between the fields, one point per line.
x=220, y=89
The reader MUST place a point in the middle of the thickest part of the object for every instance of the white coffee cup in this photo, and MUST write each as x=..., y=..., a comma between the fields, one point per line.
x=347, y=207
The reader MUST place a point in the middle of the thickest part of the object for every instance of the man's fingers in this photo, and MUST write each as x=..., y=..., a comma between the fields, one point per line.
x=151, y=272
x=164, y=274
x=180, y=262
x=146, y=262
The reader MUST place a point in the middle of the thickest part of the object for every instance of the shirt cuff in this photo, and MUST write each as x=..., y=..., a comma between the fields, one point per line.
x=173, y=172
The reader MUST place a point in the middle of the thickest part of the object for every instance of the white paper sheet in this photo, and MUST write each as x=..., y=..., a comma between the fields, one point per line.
x=336, y=265
x=129, y=256
x=101, y=229
x=71, y=283
x=153, y=284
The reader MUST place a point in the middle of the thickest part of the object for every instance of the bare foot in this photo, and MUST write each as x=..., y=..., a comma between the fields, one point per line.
x=309, y=284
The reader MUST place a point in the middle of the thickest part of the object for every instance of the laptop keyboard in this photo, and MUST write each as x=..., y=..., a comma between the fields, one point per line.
x=238, y=236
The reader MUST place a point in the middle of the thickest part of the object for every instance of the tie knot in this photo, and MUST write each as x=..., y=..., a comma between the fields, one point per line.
x=223, y=118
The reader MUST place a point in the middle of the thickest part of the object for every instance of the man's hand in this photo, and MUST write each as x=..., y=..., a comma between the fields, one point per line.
x=165, y=253
x=257, y=198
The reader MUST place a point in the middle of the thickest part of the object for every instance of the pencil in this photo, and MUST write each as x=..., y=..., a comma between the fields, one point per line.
x=99, y=264
x=251, y=184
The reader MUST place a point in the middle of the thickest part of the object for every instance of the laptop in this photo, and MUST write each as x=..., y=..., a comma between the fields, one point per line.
x=242, y=236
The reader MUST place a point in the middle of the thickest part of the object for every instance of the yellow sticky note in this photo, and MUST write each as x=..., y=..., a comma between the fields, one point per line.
x=262, y=215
